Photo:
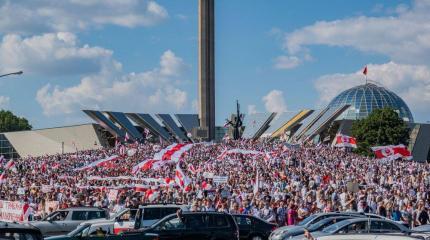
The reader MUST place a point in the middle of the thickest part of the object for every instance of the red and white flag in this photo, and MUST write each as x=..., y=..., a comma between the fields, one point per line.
x=56, y=166
x=392, y=152
x=105, y=162
x=144, y=166
x=3, y=178
x=9, y=165
x=140, y=188
x=180, y=178
x=122, y=150
x=126, y=138
x=345, y=141
x=192, y=169
x=173, y=152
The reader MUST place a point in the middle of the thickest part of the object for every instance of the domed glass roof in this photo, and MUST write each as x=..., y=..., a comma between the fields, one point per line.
x=365, y=98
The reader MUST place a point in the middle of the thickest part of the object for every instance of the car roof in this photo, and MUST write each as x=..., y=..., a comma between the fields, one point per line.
x=15, y=225
x=164, y=206
x=366, y=236
x=82, y=208
x=251, y=216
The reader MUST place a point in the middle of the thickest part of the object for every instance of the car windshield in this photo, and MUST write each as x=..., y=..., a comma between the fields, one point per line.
x=307, y=220
x=334, y=227
x=78, y=230
x=319, y=224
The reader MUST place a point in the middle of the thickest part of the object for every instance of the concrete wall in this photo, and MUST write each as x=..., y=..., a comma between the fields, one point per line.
x=49, y=141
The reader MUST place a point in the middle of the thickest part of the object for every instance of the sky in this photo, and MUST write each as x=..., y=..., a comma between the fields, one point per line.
x=141, y=55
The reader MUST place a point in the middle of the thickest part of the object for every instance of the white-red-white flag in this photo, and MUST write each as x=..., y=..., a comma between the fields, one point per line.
x=180, y=178
x=122, y=150
x=144, y=166
x=257, y=183
x=126, y=138
x=392, y=152
x=192, y=169
x=9, y=165
x=3, y=178
x=345, y=141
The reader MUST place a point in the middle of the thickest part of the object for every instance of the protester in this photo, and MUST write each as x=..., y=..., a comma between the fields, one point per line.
x=264, y=178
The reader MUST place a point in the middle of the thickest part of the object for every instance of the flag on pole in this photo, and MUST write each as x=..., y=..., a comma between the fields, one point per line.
x=257, y=183
x=365, y=70
x=126, y=138
x=180, y=177
x=2, y=177
x=9, y=165
x=345, y=141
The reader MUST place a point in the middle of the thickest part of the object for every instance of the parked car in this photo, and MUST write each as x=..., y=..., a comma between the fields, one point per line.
x=280, y=234
x=254, y=228
x=360, y=226
x=19, y=231
x=150, y=214
x=65, y=220
x=123, y=220
x=87, y=231
x=370, y=237
x=190, y=225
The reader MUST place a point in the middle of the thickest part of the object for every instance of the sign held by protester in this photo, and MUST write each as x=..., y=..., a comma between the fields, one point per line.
x=220, y=179
x=113, y=193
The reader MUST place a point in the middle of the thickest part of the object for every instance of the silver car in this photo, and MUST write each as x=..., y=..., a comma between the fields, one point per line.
x=63, y=221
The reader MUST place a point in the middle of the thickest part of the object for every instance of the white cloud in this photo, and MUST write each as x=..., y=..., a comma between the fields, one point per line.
x=287, y=62
x=4, y=102
x=404, y=37
x=274, y=101
x=152, y=91
x=252, y=109
x=53, y=54
x=411, y=82
x=37, y=16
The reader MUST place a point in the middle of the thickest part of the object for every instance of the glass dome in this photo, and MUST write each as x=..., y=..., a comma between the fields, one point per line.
x=364, y=98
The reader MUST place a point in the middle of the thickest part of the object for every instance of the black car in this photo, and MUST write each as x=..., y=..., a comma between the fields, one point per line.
x=254, y=228
x=19, y=231
x=190, y=225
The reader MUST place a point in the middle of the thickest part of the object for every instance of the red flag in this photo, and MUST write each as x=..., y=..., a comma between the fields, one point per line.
x=392, y=152
x=345, y=141
x=365, y=70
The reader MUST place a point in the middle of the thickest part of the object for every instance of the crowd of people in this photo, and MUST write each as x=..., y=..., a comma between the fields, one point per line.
x=284, y=185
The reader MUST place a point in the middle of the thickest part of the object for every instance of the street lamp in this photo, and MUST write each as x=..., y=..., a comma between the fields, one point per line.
x=12, y=73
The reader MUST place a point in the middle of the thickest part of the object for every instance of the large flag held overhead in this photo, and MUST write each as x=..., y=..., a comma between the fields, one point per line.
x=392, y=152
x=173, y=152
x=105, y=162
x=9, y=165
x=345, y=141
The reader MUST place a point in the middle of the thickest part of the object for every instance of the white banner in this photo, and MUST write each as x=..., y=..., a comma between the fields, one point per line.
x=208, y=175
x=20, y=191
x=11, y=211
x=220, y=179
x=46, y=188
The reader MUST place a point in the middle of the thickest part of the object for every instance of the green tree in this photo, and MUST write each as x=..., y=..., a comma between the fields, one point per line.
x=11, y=123
x=382, y=127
